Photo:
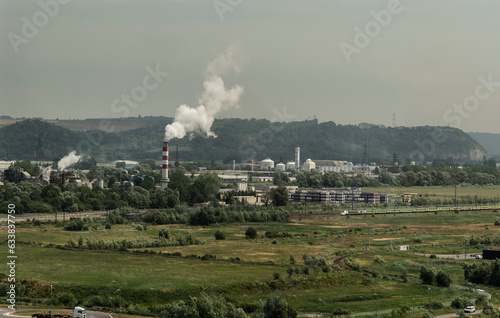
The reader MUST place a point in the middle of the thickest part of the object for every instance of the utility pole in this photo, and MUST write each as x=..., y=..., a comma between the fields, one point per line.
x=39, y=134
x=429, y=298
x=51, y=308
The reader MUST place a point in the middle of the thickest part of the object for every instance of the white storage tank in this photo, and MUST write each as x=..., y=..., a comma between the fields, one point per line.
x=309, y=165
x=281, y=166
x=290, y=165
x=267, y=164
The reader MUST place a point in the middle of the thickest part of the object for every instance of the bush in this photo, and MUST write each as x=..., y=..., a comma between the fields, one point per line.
x=497, y=221
x=435, y=305
x=75, y=225
x=379, y=260
x=460, y=302
x=108, y=226
x=433, y=256
x=341, y=312
x=219, y=235
x=139, y=228
x=37, y=223
x=251, y=233
x=427, y=275
x=443, y=279
x=481, y=301
x=164, y=233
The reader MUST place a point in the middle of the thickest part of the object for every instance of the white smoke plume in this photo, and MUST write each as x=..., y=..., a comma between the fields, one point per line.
x=215, y=98
x=46, y=172
x=68, y=160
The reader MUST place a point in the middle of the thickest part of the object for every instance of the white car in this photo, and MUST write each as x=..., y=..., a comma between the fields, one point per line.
x=470, y=309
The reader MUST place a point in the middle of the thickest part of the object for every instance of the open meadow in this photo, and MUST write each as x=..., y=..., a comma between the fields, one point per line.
x=318, y=263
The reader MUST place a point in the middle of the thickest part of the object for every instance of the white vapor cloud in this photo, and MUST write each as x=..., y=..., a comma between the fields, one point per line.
x=214, y=99
x=68, y=160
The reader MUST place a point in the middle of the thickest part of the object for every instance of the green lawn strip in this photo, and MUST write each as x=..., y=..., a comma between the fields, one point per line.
x=95, y=268
x=358, y=298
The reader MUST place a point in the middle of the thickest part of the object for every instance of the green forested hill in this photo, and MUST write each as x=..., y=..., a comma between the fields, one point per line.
x=244, y=139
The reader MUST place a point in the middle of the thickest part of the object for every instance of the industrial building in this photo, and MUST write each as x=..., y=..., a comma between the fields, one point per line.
x=334, y=165
x=345, y=195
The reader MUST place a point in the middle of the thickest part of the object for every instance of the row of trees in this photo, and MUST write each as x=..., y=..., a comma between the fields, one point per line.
x=409, y=176
x=207, y=215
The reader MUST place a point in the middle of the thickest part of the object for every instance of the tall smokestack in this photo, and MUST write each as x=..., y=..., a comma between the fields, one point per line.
x=297, y=158
x=164, y=165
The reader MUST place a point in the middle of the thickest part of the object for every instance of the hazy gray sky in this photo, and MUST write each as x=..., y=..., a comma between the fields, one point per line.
x=423, y=57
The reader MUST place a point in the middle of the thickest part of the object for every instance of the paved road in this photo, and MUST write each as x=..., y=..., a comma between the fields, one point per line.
x=90, y=314
x=478, y=311
x=453, y=256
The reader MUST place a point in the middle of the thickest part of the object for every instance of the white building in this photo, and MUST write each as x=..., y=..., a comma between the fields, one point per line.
x=334, y=165
x=290, y=165
x=267, y=164
x=281, y=166
x=309, y=165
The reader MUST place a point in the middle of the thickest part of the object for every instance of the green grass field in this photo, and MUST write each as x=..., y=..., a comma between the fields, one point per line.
x=364, y=238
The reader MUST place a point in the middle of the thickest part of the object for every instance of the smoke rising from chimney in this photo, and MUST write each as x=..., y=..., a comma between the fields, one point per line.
x=215, y=98
x=68, y=160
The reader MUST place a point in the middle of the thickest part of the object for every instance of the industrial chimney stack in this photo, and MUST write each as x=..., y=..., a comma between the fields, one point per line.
x=297, y=158
x=164, y=166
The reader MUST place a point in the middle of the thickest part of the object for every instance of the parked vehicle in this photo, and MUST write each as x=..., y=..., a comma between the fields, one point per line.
x=470, y=309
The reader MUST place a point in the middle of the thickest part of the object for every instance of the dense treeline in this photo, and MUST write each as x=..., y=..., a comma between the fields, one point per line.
x=243, y=140
x=407, y=176
x=210, y=215
x=35, y=198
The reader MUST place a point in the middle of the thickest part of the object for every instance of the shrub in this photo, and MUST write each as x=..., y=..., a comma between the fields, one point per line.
x=164, y=233
x=75, y=225
x=139, y=228
x=433, y=256
x=379, y=260
x=251, y=233
x=37, y=223
x=443, y=279
x=481, y=301
x=497, y=221
x=219, y=235
x=460, y=302
x=435, y=305
x=427, y=275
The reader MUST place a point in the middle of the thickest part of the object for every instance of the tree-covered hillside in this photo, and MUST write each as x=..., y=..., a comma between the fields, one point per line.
x=244, y=139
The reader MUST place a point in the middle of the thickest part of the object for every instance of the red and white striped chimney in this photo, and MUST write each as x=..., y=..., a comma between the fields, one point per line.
x=164, y=166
